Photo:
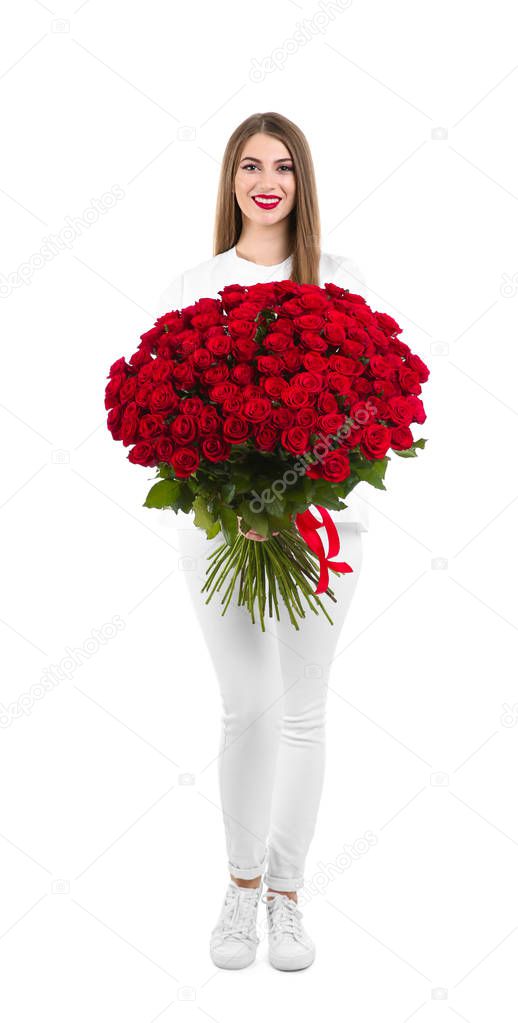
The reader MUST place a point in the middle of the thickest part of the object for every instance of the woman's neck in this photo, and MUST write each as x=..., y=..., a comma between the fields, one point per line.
x=267, y=247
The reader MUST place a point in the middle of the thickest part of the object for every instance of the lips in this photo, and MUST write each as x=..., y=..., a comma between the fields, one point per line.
x=267, y=202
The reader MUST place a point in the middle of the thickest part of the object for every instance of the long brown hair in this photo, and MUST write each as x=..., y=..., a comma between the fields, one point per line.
x=304, y=218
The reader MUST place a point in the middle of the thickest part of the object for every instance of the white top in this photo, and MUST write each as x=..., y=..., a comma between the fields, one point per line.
x=208, y=278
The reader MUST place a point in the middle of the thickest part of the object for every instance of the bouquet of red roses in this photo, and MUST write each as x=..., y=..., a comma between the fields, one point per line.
x=255, y=406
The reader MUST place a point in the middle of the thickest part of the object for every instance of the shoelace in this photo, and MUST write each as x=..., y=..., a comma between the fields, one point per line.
x=238, y=914
x=285, y=916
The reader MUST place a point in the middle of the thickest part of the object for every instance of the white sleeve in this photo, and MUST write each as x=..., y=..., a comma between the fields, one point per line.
x=348, y=274
x=172, y=297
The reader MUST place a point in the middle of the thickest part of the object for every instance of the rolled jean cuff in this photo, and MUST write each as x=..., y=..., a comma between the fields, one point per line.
x=283, y=884
x=246, y=873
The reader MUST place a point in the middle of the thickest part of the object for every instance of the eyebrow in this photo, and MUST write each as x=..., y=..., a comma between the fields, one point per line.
x=282, y=159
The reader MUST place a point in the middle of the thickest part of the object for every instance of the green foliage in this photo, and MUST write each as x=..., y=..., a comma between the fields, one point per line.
x=219, y=492
x=163, y=495
x=411, y=451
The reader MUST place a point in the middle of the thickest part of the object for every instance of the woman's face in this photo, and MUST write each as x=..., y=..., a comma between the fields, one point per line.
x=265, y=169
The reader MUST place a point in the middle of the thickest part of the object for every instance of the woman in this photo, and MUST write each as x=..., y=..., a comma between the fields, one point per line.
x=273, y=684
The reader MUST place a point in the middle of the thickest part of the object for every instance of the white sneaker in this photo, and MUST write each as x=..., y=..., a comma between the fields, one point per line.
x=290, y=947
x=234, y=939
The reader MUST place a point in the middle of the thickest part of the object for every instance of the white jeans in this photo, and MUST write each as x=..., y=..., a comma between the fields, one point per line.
x=274, y=690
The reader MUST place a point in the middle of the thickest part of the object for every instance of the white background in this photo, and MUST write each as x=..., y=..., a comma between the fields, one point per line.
x=113, y=865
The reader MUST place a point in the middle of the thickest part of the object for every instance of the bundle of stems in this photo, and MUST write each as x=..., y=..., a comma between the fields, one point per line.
x=281, y=566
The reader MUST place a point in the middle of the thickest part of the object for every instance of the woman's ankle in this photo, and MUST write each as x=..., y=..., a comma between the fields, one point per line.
x=253, y=882
x=292, y=895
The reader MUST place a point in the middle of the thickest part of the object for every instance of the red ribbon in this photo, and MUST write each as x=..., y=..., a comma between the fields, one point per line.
x=307, y=526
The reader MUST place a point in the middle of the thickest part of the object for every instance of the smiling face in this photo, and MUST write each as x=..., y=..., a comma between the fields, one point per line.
x=265, y=172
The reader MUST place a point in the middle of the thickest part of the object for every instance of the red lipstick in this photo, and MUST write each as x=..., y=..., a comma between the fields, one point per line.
x=267, y=202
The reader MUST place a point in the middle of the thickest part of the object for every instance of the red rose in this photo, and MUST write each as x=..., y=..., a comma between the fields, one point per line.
x=334, y=333
x=184, y=429
x=162, y=398
x=311, y=382
x=269, y=364
x=274, y=387
x=381, y=366
x=128, y=389
x=185, y=461
x=417, y=364
x=114, y=421
x=400, y=410
x=295, y=440
x=161, y=370
x=164, y=449
x=201, y=358
x=111, y=394
x=129, y=424
x=266, y=437
x=313, y=341
x=232, y=404
x=215, y=449
x=282, y=418
x=209, y=421
x=314, y=362
x=313, y=300
x=387, y=324
x=142, y=395
x=306, y=417
x=236, y=429
x=401, y=438
x=121, y=366
x=295, y=396
x=257, y=410
x=151, y=426
x=276, y=342
x=142, y=453
x=326, y=402
x=375, y=440
x=242, y=330
x=192, y=406
x=215, y=374
x=310, y=321
x=222, y=391
x=335, y=466
x=243, y=374
x=408, y=379
x=330, y=422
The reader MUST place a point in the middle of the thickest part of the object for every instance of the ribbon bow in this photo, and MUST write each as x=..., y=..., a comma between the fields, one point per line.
x=307, y=525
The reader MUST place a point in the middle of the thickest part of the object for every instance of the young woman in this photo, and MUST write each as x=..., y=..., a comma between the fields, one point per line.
x=274, y=684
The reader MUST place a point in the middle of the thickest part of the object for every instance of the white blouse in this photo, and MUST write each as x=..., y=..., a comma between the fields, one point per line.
x=206, y=279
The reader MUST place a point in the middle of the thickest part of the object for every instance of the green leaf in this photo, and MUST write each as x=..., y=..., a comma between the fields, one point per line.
x=185, y=499
x=275, y=507
x=228, y=520
x=241, y=482
x=411, y=451
x=374, y=472
x=228, y=491
x=202, y=517
x=163, y=494
x=254, y=520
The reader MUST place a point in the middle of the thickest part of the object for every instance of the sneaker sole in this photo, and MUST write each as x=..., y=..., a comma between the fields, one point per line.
x=231, y=963
x=301, y=963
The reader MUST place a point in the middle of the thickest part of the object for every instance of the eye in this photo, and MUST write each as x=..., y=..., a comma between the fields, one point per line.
x=283, y=166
